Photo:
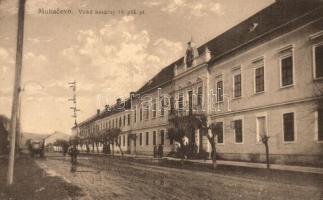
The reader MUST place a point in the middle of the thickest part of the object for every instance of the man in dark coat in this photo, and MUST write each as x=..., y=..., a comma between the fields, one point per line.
x=73, y=151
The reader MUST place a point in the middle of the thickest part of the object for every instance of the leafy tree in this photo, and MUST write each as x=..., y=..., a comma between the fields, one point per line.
x=4, y=142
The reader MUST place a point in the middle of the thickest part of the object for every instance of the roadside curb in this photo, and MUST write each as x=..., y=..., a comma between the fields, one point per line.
x=208, y=163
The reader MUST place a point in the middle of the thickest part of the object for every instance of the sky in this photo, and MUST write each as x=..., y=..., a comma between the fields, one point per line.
x=109, y=55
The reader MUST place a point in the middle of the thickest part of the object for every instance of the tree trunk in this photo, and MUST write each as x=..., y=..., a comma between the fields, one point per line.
x=119, y=148
x=213, y=151
x=97, y=147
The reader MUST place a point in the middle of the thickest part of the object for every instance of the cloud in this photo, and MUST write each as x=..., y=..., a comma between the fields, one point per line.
x=188, y=8
x=122, y=59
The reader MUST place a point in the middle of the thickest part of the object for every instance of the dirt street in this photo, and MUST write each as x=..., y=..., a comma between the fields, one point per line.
x=107, y=178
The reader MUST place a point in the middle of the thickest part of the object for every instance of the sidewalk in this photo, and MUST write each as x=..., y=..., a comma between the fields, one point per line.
x=314, y=170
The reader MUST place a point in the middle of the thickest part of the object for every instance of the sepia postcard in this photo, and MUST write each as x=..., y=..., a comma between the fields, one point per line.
x=161, y=99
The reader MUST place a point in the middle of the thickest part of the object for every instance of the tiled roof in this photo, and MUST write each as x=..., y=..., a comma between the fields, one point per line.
x=265, y=21
x=162, y=77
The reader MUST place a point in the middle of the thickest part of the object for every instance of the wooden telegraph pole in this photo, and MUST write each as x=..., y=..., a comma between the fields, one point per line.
x=16, y=91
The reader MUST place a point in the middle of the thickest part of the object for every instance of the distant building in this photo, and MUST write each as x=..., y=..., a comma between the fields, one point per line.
x=263, y=77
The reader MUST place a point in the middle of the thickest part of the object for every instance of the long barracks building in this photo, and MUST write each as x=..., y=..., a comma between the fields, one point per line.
x=263, y=77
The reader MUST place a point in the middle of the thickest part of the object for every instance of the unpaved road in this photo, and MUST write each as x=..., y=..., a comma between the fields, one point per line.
x=107, y=178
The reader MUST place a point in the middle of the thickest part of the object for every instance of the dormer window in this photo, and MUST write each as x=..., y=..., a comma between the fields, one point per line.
x=189, y=56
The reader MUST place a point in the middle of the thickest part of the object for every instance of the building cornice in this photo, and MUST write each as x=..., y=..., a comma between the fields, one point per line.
x=213, y=116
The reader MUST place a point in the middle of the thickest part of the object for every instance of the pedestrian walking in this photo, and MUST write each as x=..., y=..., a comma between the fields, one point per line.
x=73, y=151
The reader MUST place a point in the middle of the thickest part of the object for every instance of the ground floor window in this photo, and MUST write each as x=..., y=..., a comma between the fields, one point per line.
x=162, y=137
x=320, y=125
x=154, y=138
x=288, y=127
x=238, y=131
x=147, y=138
x=261, y=128
x=219, y=129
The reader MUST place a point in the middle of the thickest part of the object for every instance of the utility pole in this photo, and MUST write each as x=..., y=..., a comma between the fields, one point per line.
x=16, y=91
x=74, y=107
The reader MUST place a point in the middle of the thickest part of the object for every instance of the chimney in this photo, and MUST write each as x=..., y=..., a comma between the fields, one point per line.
x=132, y=94
x=98, y=111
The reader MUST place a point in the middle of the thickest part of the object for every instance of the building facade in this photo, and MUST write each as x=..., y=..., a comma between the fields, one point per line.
x=263, y=77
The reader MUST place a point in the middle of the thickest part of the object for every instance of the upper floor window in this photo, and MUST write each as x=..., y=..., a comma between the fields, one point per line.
x=124, y=120
x=219, y=91
x=181, y=102
x=237, y=85
x=288, y=127
x=135, y=115
x=140, y=114
x=129, y=119
x=318, y=61
x=286, y=70
x=162, y=107
x=199, y=96
x=259, y=79
x=154, y=110
x=147, y=111
x=120, y=122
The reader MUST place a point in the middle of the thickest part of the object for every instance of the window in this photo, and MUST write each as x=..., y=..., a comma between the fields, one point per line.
x=162, y=137
x=181, y=102
x=219, y=129
x=288, y=127
x=162, y=109
x=259, y=79
x=124, y=140
x=124, y=120
x=287, y=71
x=318, y=61
x=147, y=138
x=140, y=114
x=120, y=122
x=154, y=138
x=154, y=108
x=238, y=131
x=320, y=125
x=135, y=115
x=237, y=85
x=140, y=139
x=190, y=101
x=261, y=128
x=128, y=119
x=219, y=90
x=147, y=110
x=199, y=96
